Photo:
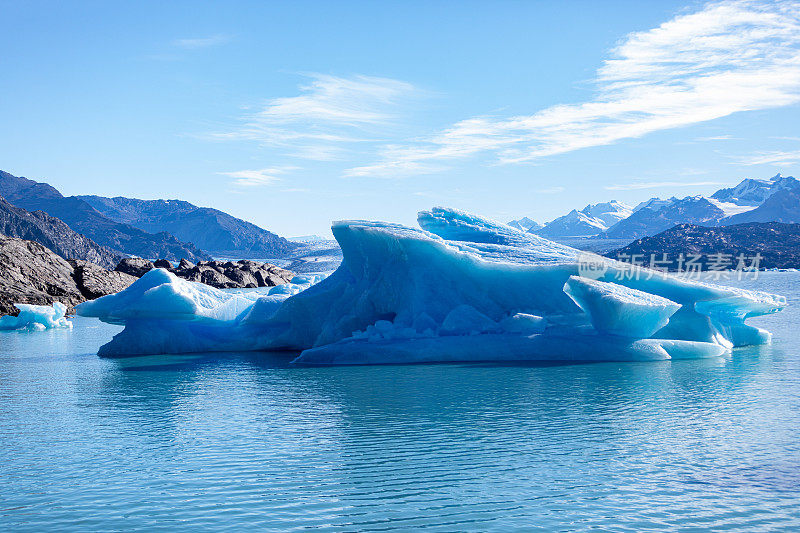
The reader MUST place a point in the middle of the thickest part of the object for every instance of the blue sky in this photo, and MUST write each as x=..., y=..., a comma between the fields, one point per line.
x=294, y=114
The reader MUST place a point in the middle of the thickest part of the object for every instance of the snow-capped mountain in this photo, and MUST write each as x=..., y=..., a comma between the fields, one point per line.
x=753, y=192
x=589, y=221
x=776, y=199
x=573, y=224
x=525, y=224
x=697, y=210
x=783, y=205
x=753, y=200
x=654, y=203
x=609, y=212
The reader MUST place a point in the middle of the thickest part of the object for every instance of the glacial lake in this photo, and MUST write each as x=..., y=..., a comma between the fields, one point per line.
x=246, y=441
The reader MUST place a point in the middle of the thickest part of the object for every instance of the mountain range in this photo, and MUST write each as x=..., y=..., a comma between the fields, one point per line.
x=210, y=229
x=117, y=227
x=657, y=217
x=53, y=233
x=83, y=218
x=589, y=221
x=752, y=200
x=776, y=244
x=103, y=230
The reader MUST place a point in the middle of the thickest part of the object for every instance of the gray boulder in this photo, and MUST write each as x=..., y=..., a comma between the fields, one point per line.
x=248, y=265
x=185, y=264
x=269, y=275
x=135, y=266
x=212, y=277
x=95, y=281
x=242, y=277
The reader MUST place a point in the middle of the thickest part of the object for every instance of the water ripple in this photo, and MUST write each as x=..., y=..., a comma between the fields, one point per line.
x=234, y=441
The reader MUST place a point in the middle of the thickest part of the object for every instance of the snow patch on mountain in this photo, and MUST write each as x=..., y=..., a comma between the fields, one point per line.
x=753, y=192
x=589, y=221
x=655, y=203
x=647, y=221
x=730, y=208
x=525, y=224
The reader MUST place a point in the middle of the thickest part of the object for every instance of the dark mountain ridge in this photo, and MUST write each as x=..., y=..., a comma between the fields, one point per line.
x=212, y=230
x=54, y=234
x=777, y=244
x=83, y=218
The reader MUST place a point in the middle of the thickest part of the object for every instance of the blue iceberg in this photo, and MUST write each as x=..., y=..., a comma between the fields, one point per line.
x=37, y=318
x=461, y=288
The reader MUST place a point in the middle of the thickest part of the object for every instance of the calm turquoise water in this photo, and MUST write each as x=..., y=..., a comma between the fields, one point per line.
x=231, y=441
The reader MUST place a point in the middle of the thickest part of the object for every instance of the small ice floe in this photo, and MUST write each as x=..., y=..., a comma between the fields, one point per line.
x=37, y=318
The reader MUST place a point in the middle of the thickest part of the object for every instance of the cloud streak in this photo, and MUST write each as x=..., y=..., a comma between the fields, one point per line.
x=776, y=157
x=724, y=58
x=256, y=178
x=201, y=42
x=330, y=114
x=550, y=190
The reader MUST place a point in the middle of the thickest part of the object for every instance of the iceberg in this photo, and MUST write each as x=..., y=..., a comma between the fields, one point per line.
x=460, y=288
x=37, y=318
x=619, y=310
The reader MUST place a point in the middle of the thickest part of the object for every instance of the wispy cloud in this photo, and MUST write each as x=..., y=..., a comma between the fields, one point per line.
x=724, y=58
x=329, y=114
x=658, y=184
x=550, y=190
x=715, y=138
x=393, y=169
x=776, y=157
x=201, y=42
x=256, y=178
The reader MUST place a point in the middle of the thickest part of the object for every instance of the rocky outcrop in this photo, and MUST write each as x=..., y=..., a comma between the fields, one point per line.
x=32, y=274
x=95, y=281
x=54, y=234
x=135, y=266
x=219, y=274
x=241, y=274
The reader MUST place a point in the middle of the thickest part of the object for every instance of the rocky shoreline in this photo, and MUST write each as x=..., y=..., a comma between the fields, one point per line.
x=243, y=274
x=31, y=273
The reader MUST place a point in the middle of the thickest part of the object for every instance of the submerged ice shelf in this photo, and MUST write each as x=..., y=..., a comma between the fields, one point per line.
x=462, y=288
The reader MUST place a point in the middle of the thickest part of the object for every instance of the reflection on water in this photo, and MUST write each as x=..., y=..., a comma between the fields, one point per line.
x=229, y=441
